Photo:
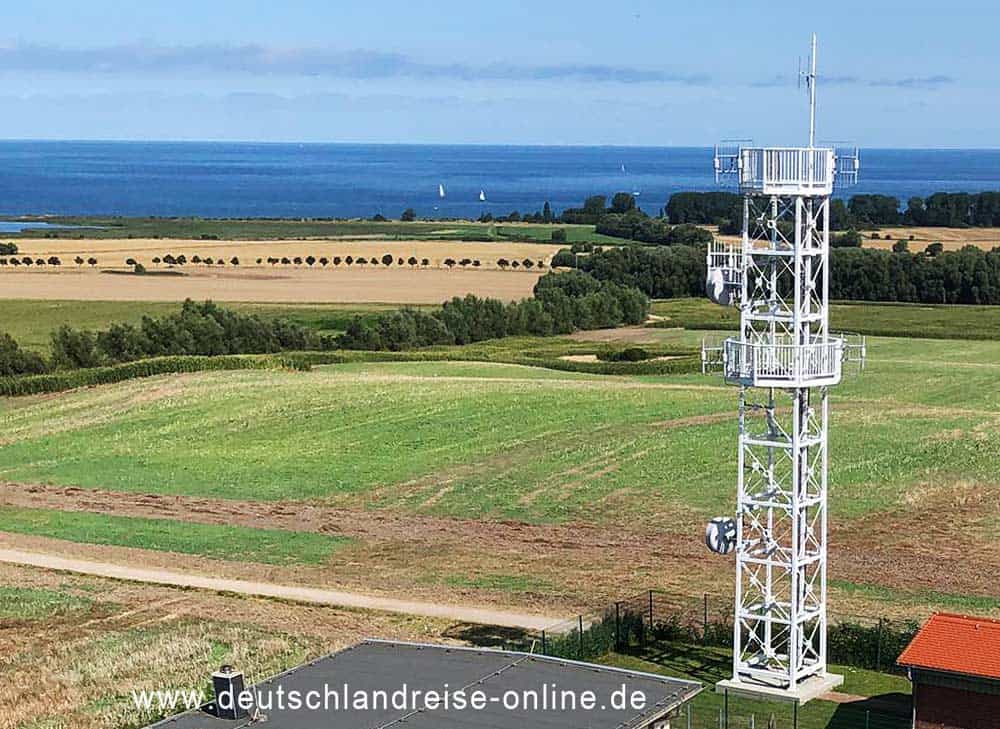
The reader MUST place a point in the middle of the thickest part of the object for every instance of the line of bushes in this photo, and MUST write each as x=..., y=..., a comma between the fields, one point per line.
x=563, y=302
x=197, y=329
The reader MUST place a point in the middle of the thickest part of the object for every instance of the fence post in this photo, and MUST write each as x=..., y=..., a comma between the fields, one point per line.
x=725, y=708
x=868, y=716
x=704, y=622
x=580, y=634
x=618, y=626
x=545, y=650
x=795, y=715
x=878, y=646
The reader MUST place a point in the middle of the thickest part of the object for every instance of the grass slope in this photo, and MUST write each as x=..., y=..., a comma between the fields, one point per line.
x=513, y=442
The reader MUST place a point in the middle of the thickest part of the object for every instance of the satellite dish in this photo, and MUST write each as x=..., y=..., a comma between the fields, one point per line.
x=720, y=535
x=717, y=289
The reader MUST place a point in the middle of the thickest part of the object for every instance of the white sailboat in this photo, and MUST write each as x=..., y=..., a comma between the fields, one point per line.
x=441, y=191
x=482, y=196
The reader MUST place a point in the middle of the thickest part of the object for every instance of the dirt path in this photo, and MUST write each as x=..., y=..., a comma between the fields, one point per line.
x=284, y=592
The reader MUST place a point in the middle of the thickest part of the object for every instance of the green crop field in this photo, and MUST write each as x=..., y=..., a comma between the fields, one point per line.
x=262, y=229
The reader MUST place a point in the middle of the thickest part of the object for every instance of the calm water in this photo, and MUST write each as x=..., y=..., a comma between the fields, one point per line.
x=347, y=180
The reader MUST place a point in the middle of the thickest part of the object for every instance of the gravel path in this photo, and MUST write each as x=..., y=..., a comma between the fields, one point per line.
x=285, y=592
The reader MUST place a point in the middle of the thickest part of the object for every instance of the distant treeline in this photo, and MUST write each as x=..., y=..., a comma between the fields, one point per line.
x=967, y=276
x=942, y=209
x=563, y=303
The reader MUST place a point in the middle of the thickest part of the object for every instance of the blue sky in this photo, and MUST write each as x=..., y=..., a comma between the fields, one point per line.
x=632, y=72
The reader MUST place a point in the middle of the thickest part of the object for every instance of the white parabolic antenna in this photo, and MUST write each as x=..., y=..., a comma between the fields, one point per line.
x=720, y=535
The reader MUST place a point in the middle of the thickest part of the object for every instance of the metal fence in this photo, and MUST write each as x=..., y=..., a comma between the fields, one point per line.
x=674, y=632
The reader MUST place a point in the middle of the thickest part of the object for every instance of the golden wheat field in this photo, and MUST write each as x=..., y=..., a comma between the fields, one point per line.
x=424, y=277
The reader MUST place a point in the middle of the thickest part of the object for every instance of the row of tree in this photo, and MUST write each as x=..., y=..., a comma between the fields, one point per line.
x=966, y=276
x=563, y=302
x=942, y=209
x=29, y=261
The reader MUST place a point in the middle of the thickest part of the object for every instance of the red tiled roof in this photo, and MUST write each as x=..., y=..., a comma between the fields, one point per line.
x=957, y=644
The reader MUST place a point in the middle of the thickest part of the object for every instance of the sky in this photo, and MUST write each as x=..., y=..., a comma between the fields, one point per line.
x=630, y=72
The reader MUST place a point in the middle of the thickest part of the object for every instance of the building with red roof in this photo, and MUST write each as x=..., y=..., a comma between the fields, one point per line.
x=954, y=665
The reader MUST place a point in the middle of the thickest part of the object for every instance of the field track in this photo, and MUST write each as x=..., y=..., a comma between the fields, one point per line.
x=284, y=592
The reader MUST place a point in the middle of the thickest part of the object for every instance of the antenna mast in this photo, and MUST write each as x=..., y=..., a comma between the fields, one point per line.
x=811, y=85
x=784, y=360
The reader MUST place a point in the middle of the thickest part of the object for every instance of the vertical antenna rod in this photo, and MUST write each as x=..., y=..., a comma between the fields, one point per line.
x=811, y=83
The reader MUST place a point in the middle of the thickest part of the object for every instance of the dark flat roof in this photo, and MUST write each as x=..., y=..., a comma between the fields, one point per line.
x=389, y=666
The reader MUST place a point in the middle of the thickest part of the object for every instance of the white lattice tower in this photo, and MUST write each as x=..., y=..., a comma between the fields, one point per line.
x=784, y=361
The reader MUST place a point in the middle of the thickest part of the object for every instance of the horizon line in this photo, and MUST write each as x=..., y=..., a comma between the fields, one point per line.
x=161, y=140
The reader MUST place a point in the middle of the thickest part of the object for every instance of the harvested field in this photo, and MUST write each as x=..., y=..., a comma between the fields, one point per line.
x=951, y=238
x=91, y=638
x=282, y=285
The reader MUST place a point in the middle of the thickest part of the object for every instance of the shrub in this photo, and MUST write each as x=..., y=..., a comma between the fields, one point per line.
x=408, y=216
x=629, y=354
x=16, y=361
x=559, y=235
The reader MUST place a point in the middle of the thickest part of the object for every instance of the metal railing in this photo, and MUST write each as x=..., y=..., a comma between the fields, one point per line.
x=788, y=169
x=752, y=363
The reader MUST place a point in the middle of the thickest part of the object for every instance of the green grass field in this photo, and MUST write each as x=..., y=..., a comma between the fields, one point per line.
x=261, y=229
x=267, y=546
x=514, y=442
x=939, y=321
x=473, y=433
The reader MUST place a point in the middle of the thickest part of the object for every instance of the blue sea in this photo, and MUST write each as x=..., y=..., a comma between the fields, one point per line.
x=217, y=179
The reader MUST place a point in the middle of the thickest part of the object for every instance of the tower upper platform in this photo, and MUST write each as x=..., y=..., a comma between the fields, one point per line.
x=784, y=170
